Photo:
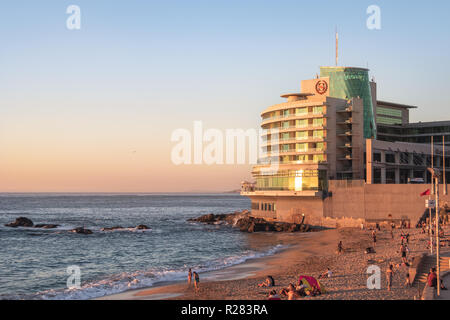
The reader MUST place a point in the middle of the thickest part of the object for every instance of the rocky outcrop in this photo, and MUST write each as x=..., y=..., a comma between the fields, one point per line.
x=81, y=230
x=46, y=226
x=21, y=222
x=246, y=223
x=112, y=228
x=119, y=228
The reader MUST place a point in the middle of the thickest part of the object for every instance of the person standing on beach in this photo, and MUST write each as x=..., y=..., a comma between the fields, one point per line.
x=374, y=237
x=189, y=276
x=403, y=250
x=389, y=276
x=196, y=281
x=408, y=280
x=340, y=248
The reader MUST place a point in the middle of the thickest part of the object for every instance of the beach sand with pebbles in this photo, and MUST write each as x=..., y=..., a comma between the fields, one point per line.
x=308, y=254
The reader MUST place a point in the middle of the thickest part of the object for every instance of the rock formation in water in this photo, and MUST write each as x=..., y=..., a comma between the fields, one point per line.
x=246, y=223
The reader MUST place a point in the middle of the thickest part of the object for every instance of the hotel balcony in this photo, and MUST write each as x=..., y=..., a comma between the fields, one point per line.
x=296, y=116
x=281, y=193
x=310, y=127
x=294, y=140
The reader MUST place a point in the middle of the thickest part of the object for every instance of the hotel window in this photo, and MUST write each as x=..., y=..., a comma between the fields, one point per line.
x=389, y=121
x=301, y=111
x=318, y=121
x=302, y=147
x=318, y=158
x=301, y=123
x=285, y=136
x=320, y=146
x=286, y=113
x=285, y=124
x=301, y=135
x=318, y=134
x=389, y=112
x=284, y=147
x=318, y=109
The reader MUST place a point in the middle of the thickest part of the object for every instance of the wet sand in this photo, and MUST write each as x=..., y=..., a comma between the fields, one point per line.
x=309, y=254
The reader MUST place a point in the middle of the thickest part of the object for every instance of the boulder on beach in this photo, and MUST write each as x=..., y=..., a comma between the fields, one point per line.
x=142, y=227
x=20, y=222
x=81, y=230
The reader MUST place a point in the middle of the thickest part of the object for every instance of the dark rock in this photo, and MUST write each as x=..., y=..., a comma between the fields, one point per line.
x=112, y=228
x=142, y=227
x=246, y=223
x=20, y=222
x=81, y=231
x=46, y=226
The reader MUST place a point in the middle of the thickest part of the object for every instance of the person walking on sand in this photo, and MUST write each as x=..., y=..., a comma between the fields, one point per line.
x=340, y=248
x=196, y=281
x=374, y=237
x=189, y=276
x=389, y=276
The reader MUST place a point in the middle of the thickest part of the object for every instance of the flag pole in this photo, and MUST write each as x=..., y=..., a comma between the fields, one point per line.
x=430, y=227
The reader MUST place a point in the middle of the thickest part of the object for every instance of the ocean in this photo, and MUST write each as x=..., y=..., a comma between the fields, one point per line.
x=34, y=262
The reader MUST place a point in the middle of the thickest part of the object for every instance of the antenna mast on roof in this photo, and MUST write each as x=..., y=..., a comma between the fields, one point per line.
x=337, y=47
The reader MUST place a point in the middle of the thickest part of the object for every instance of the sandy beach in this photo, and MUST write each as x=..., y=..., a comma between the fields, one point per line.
x=308, y=254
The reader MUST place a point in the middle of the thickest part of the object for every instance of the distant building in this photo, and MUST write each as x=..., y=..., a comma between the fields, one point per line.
x=335, y=134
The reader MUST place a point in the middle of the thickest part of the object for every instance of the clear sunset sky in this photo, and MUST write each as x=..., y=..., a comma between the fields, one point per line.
x=93, y=110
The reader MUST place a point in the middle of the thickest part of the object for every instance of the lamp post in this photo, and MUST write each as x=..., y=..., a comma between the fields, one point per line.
x=435, y=176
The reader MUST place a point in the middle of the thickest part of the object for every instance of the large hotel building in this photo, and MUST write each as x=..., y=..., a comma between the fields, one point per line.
x=334, y=152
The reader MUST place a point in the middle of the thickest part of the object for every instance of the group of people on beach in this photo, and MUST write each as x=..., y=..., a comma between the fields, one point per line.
x=196, y=279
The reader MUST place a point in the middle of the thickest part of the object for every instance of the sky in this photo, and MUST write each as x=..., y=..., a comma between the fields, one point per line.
x=93, y=110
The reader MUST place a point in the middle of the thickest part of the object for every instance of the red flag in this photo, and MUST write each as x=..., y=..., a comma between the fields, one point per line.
x=425, y=193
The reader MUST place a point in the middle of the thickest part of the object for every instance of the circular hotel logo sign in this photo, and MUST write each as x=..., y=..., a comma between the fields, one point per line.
x=321, y=87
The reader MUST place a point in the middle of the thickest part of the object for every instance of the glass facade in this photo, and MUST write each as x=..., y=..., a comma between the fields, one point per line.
x=299, y=180
x=347, y=83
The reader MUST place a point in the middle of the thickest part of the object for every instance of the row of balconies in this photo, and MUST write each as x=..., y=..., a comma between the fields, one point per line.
x=299, y=116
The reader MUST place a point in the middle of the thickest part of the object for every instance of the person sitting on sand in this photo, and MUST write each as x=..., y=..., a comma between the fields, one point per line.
x=269, y=282
x=290, y=292
x=189, y=276
x=196, y=281
x=273, y=295
x=326, y=274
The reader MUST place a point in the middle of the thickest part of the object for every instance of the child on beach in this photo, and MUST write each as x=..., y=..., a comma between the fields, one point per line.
x=326, y=274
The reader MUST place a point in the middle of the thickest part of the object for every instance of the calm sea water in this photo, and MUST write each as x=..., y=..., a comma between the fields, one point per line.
x=33, y=262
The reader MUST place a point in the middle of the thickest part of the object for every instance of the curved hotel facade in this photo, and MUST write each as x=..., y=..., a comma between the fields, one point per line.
x=316, y=140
